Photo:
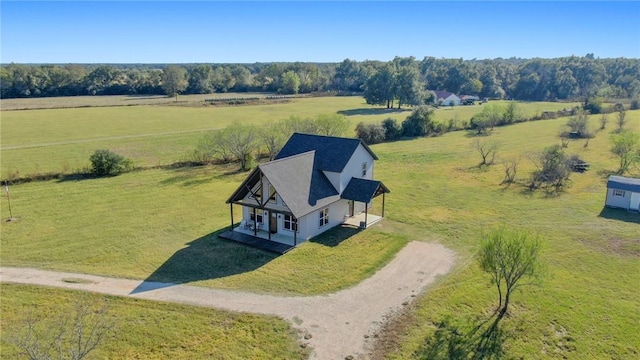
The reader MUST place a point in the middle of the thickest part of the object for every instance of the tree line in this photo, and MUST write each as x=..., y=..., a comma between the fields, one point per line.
x=401, y=81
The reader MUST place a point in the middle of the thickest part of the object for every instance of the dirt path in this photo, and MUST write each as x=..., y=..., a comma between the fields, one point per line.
x=339, y=324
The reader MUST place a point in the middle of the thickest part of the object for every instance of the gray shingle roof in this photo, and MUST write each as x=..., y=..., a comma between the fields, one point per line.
x=332, y=153
x=302, y=186
x=623, y=183
x=363, y=190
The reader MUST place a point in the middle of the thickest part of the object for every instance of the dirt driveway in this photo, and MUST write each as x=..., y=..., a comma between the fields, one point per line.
x=340, y=324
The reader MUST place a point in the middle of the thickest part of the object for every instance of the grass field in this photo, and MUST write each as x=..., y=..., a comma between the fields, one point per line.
x=61, y=140
x=145, y=224
x=153, y=330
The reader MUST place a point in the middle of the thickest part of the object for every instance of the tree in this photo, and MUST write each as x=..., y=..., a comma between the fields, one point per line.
x=174, y=80
x=290, y=83
x=419, y=123
x=331, y=124
x=578, y=125
x=487, y=150
x=622, y=114
x=409, y=86
x=552, y=168
x=200, y=79
x=511, y=113
x=274, y=136
x=626, y=145
x=108, y=163
x=380, y=87
x=603, y=121
x=510, y=171
x=510, y=257
x=242, y=141
x=66, y=336
x=490, y=116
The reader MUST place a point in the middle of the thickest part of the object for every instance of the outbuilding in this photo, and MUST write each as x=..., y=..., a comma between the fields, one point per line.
x=623, y=192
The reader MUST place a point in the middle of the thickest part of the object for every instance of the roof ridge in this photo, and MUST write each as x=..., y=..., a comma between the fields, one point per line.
x=288, y=157
x=327, y=136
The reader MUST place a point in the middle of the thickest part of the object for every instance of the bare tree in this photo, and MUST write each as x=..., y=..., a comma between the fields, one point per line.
x=579, y=125
x=243, y=141
x=622, y=114
x=510, y=171
x=487, y=150
x=510, y=257
x=552, y=168
x=603, y=121
x=68, y=336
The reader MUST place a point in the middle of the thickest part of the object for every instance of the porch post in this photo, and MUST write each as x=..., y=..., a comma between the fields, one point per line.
x=231, y=209
x=366, y=211
x=295, y=231
x=269, y=228
x=255, y=223
x=383, y=204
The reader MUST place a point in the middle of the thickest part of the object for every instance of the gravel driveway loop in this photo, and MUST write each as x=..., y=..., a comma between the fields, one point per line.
x=335, y=325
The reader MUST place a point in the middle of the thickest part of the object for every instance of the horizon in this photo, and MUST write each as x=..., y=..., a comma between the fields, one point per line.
x=211, y=32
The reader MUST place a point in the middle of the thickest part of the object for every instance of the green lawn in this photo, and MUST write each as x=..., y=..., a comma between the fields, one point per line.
x=153, y=330
x=61, y=140
x=146, y=224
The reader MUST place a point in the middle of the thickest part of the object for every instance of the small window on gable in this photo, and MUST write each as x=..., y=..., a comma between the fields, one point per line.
x=364, y=169
x=272, y=193
x=617, y=192
x=257, y=194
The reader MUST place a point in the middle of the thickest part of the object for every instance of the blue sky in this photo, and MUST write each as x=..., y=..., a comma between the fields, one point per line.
x=247, y=32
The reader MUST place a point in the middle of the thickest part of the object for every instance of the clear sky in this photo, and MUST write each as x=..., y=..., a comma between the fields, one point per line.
x=265, y=31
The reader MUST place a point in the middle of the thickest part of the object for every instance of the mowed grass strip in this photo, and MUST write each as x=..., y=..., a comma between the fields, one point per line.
x=162, y=225
x=153, y=330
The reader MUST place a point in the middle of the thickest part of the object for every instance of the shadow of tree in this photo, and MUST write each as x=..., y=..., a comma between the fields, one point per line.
x=370, y=111
x=450, y=341
x=619, y=214
x=205, y=258
x=336, y=235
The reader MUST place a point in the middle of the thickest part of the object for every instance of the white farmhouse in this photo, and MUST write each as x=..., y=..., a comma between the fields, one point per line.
x=315, y=183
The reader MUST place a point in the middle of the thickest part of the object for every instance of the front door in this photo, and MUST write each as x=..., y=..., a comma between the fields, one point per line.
x=273, y=223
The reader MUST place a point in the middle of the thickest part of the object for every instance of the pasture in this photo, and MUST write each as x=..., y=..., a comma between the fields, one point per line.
x=147, y=224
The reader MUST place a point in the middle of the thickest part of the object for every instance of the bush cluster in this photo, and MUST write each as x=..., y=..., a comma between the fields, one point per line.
x=108, y=163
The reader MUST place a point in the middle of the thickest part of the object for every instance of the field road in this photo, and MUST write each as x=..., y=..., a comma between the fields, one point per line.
x=80, y=141
x=336, y=325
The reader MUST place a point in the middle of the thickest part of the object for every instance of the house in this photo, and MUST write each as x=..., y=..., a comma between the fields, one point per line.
x=313, y=184
x=446, y=98
x=623, y=192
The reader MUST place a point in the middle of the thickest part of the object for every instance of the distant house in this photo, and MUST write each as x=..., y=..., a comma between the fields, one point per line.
x=446, y=98
x=623, y=192
x=315, y=183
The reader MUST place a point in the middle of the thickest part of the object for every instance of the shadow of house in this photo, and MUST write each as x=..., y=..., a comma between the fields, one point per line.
x=619, y=214
x=206, y=258
x=336, y=236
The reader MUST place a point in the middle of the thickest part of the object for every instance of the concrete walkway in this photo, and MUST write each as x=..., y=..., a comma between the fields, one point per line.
x=337, y=323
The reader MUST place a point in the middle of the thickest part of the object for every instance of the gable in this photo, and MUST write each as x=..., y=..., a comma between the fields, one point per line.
x=332, y=153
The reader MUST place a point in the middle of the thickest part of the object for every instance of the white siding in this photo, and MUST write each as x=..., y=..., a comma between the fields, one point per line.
x=310, y=224
x=618, y=201
x=354, y=167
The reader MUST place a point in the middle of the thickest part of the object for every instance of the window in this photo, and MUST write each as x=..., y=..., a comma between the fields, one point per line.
x=273, y=194
x=257, y=194
x=258, y=217
x=364, y=169
x=289, y=223
x=324, y=217
x=617, y=192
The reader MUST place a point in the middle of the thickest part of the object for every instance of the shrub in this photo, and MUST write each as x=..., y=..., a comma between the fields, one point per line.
x=108, y=163
x=392, y=130
x=594, y=105
x=370, y=133
x=419, y=123
x=635, y=104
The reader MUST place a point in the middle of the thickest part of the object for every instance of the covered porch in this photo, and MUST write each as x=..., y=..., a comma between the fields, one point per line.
x=282, y=246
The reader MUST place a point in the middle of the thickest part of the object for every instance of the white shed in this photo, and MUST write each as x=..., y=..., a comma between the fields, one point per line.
x=623, y=192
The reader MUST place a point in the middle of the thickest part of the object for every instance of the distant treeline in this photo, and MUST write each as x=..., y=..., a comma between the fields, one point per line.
x=401, y=79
